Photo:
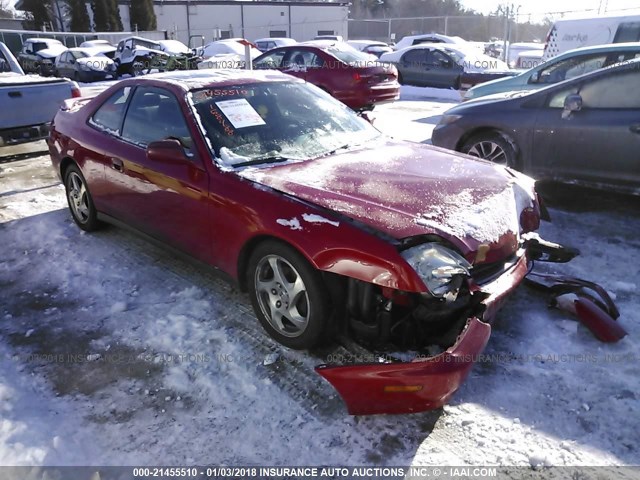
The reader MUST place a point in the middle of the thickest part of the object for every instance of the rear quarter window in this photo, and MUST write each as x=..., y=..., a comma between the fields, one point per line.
x=111, y=113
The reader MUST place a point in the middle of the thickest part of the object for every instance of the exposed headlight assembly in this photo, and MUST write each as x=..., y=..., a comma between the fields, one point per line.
x=442, y=270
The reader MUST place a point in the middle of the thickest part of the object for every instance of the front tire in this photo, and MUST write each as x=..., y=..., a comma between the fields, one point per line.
x=492, y=146
x=81, y=205
x=288, y=296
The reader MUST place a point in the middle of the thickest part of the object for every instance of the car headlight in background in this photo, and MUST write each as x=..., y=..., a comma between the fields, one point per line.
x=441, y=269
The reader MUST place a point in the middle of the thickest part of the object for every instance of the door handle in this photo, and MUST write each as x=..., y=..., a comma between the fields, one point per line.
x=117, y=164
x=635, y=128
x=15, y=94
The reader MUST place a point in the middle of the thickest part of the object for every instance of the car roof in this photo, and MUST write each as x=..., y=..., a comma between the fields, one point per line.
x=196, y=79
x=134, y=37
x=38, y=39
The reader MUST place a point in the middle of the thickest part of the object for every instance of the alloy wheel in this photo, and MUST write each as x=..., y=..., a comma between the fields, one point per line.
x=282, y=296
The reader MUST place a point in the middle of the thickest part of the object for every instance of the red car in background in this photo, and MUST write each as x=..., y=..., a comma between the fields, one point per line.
x=355, y=78
x=333, y=228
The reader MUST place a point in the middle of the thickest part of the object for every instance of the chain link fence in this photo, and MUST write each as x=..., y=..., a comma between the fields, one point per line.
x=473, y=28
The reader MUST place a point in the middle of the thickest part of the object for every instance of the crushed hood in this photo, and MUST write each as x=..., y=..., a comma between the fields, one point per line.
x=405, y=189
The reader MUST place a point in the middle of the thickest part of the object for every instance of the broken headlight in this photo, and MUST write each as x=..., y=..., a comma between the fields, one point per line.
x=442, y=270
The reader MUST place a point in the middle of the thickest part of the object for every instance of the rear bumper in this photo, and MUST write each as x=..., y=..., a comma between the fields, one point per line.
x=95, y=76
x=14, y=136
x=424, y=383
x=370, y=96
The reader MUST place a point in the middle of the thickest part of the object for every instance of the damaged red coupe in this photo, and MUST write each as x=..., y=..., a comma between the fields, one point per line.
x=335, y=230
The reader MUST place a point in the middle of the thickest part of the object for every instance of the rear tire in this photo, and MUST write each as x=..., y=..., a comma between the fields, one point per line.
x=288, y=295
x=492, y=146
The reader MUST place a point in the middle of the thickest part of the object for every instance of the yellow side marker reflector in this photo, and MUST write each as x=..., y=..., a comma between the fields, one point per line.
x=402, y=388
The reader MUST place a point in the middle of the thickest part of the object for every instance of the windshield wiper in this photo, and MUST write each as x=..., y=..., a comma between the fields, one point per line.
x=262, y=160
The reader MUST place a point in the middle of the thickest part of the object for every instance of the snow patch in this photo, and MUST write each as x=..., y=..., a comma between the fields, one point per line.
x=312, y=218
x=294, y=223
x=118, y=307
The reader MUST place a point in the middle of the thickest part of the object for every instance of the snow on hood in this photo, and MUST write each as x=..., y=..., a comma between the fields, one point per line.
x=405, y=189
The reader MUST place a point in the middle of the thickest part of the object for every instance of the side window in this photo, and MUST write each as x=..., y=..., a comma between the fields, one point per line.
x=273, y=60
x=571, y=68
x=109, y=116
x=556, y=100
x=439, y=60
x=155, y=114
x=415, y=57
x=301, y=58
x=613, y=91
x=627, y=56
x=587, y=65
x=628, y=32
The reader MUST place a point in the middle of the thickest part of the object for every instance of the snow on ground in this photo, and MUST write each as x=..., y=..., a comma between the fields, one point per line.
x=113, y=351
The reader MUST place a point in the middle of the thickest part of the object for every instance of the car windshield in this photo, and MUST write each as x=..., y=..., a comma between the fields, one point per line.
x=147, y=44
x=37, y=46
x=276, y=121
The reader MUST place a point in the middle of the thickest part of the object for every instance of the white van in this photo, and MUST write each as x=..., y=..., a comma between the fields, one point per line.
x=584, y=32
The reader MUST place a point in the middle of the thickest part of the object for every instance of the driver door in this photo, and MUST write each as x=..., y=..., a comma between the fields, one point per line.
x=600, y=142
x=167, y=200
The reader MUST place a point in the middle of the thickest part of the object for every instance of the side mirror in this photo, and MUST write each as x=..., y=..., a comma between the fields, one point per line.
x=29, y=52
x=572, y=103
x=535, y=77
x=445, y=63
x=169, y=151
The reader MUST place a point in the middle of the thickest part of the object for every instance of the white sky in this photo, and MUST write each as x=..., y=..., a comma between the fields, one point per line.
x=574, y=8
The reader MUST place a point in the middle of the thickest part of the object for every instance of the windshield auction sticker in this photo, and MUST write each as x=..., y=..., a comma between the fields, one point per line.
x=240, y=113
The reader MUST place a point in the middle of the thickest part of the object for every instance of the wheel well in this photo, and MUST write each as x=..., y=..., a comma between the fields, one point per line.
x=485, y=130
x=64, y=164
x=245, y=254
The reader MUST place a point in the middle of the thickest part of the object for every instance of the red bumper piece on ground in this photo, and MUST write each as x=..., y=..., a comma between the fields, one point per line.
x=605, y=328
x=423, y=384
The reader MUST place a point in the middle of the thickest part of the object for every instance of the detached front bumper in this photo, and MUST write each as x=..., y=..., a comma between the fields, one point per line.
x=424, y=383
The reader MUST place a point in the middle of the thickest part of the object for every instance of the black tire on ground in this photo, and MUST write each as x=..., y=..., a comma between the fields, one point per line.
x=288, y=295
x=139, y=66
x=79, y=199
x=492, y=146
x=400, y=79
